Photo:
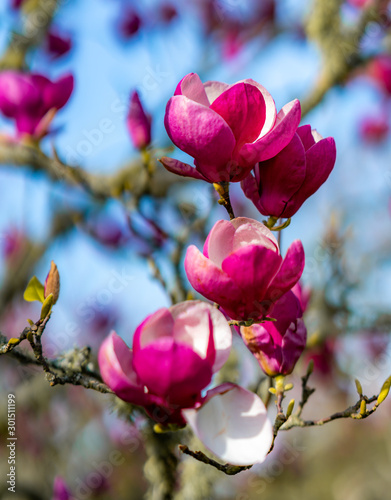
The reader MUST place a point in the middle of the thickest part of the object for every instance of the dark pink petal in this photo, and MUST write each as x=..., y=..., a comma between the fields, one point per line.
x=271, y=111
x=305, y=134
x=252, y=268
x=199, y=131
x=60, y=489
x=250, y=189
x=219, y=242
x=242, y=106
x=233, y=424
x=208, y=279
x=138, y=123
x=290, y=272
x=180, y=168
x=320, y=161
x=172, y=371
x=156, y=325
x=57, y=94
x=191, y=86
x=293, y=345
x=230, y=171
x=115, y=363
x=213, y=89
x=281, y=134
x=26, y=124
x=281, y=177
x=58, y=45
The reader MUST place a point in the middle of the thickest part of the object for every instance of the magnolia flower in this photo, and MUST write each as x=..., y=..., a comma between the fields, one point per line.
x=283, y=183
x=277, y=345
x=227, y=129
x=175, y=352
x=139, y=123
x=241, y=268
x=374, y=129
x=28, y=99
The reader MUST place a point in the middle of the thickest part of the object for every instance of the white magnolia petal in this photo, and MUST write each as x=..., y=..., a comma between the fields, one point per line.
x=233, y=424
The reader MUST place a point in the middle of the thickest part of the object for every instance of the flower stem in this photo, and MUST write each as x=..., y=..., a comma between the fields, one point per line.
x=223, y=189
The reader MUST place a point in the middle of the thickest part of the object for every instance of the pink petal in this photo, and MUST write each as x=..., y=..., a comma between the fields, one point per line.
x=214, y=89
x=208, y=279
x=290, y=272
x=233, y=424
x=57, y=94
x=218, y=244
x=17, y=94
x=222, y=334
x=250, y=189
x=138, y=123
x=180, y=168
x=320, y=162
x=274, y=141
x=191, y=86
x=156, y=325
x=305, y=134
x=252, y=268
x=252, y=232
x=192, y=325
x=172, y=371
x=271, y=111
x=242, y=106
x=116, y=367
x=199, y=132
x=281, y=177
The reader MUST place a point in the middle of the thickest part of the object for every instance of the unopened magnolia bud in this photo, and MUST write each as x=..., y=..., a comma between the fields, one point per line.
x=384, y=391
x=52, y=283
x=290, y=408
x=363, y=407
x=358, y=387
x=288, y=387
x=310, y=367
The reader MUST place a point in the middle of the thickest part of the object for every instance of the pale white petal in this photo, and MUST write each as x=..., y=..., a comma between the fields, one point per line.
x=233, y=424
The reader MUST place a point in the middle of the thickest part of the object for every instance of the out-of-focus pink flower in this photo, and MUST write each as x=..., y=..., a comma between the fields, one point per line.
x=175, y=352
x=278, y=345
x=359, y=3
x=227, y=129
x=283, y=183
x=324, y=357
x=60, y=490
x=57, y=45
x=303, y=294
x=139, y=123
x=380, y=70
x=130, y=23
x=16, y=4
x=167, y=12
x=28, y=99
x=241, y=268
x=13, y=243
x=374, y=129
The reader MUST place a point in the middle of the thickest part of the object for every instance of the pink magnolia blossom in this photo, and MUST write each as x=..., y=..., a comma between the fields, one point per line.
x=227, y=129
x=374, y=130
x=283, y=183
x=139, y=123
x=57, y=45
x=241, y=268
x=28, y=98
x=278, y=345
x=175, y=353
x=303, y=293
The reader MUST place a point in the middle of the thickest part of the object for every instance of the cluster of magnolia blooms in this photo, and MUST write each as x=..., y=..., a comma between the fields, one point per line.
x=234, y=133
